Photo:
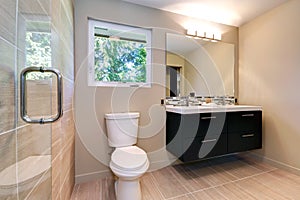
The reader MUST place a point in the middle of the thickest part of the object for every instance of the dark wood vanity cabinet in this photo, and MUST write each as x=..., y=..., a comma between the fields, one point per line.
x=244, y=131
x=202, y=135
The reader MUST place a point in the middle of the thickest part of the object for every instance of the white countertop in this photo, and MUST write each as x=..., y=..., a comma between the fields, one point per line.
x=211, y=108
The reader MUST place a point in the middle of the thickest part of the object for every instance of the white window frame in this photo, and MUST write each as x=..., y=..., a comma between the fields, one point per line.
x=91, y=58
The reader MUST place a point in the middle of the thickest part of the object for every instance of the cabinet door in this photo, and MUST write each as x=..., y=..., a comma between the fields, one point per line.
x=244, y=141
x=244, y=131
x=244, y=121
x=201, y=147
x=178, y=127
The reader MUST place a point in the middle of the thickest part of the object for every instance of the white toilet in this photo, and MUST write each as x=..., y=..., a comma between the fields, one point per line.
x=128, y=162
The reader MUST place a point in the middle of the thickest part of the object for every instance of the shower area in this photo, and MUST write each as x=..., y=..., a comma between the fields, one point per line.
x=37, y=159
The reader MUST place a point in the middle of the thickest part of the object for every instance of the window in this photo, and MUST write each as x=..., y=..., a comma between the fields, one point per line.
x=119, y=55
x=37, y=45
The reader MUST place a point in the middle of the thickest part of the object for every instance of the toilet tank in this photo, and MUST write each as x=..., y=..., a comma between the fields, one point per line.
x=122, y=128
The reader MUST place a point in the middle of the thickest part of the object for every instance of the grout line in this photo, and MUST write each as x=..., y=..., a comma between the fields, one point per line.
x=244, y=178
x=188, y=192
x=20, y=127
x=278, y=164
x=156, y=185
x=92, y=173
x=221, y=194
x=241, y=160
x=15, y=129
x=39, y=182
x=8, y=42
x=223, y=170
x=267, y=186
x=180, y=182
x=182, y=195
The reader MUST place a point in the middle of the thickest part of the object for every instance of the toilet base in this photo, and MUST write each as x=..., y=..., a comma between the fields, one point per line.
x=128, y=190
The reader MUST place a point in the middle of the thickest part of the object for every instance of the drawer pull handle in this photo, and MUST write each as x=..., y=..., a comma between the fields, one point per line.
x=212, y=117
x=247, y=135
x=206, y=141
x=248, y=115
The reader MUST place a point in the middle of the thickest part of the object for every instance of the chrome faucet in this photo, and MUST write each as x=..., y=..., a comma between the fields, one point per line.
x=185, y=100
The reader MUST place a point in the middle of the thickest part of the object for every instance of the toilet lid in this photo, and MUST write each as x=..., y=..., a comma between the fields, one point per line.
x=129, y=158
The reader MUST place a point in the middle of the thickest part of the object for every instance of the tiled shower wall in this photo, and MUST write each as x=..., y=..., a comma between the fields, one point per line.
x=23, y=146
x=63, y=145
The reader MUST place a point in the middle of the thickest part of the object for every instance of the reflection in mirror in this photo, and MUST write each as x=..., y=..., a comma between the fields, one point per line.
x=203, y=67
x=173, y=78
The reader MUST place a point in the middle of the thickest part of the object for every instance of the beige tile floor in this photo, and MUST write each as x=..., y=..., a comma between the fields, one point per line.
x=230, y=177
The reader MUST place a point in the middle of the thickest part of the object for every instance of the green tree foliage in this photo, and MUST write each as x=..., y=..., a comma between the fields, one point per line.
x=38, y=53
x=119, y=60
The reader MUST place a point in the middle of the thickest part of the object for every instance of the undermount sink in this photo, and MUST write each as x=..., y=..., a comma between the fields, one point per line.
x=211, y=107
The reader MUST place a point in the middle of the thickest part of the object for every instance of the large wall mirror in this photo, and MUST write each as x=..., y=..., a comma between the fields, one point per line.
x=203, y=67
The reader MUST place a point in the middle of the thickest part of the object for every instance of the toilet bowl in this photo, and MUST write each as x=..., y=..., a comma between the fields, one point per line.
x=128, y=162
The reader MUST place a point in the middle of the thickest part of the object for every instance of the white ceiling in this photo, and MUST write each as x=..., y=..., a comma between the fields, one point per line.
x=229, y=12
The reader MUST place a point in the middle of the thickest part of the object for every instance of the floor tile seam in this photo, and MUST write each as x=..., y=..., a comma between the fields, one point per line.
x=238, y=178
x=252, y=165
x=256, y=159
x=215, y=187
x=223, y=170
x=270, y=198
x=221, y=194
x=208, y=182
x=285, y=171
x=203, y=189
x=263, y=183
x=249, y=193
x=182, y=195
x=188, y=192
x=233, y=181
x=191, y=194
x=196, y=182
x=155, y=182
x=235, y=167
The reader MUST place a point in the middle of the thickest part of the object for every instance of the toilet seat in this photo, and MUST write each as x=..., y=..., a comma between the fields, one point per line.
x=129, y=158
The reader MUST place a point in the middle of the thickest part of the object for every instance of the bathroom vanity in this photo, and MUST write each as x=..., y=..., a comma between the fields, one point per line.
x=197, y=132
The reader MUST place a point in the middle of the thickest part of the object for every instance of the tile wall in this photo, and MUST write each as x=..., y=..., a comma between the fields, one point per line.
x=63, y=145
x=37, y=161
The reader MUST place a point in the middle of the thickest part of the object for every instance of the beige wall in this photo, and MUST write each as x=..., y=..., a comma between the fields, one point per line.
x=91, y=103
x=269, y=76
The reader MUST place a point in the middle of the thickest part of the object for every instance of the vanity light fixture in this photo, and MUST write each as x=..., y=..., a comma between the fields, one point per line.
x=191, y=32
x=200, y=35
x=206, y=36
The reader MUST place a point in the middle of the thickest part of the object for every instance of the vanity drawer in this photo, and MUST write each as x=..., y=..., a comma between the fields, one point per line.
x=200, y=147
x=211, y=124
x=195, y=125
x=244, y=141
x=244, y=121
